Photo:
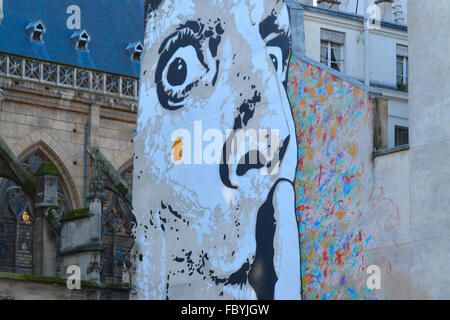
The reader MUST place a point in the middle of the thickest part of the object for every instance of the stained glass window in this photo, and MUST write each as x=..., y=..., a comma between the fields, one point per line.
x=117, y=221
x=17, y=220
x=16, y=229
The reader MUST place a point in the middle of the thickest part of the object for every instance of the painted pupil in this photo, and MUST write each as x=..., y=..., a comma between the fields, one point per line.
x=274, y=61
x=177, y=73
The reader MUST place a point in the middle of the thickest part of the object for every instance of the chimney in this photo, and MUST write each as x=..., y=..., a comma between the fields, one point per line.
x=385, y=9
x=329, y=4
x=296, y=16
x=310, y=2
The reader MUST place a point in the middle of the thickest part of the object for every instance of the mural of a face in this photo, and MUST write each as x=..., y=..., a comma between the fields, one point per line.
x=215, y=230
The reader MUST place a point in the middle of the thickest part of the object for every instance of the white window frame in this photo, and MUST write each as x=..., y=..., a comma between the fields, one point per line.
x=341, y=62
x=402, y=54
x=404, y=73
x=393, y=122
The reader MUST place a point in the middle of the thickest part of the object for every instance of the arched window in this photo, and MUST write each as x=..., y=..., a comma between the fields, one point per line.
x=117, y=220
x=17, y=216
x=32, y=161
x=16, y=229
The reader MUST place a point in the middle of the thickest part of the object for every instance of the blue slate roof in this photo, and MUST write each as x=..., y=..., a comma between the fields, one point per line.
x=111, y=24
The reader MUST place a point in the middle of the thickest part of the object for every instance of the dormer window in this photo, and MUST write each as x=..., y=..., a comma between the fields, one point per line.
x=82, y=39
x=135, y=49
x=37, y=30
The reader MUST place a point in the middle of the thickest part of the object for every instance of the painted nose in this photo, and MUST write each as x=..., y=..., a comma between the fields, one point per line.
x=257, y=142
x=267, y=108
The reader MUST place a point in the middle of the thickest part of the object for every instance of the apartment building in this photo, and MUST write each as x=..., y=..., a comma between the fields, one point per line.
x=335, y=34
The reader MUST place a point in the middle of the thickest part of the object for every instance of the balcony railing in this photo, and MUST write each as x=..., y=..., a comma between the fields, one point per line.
x=68, y=76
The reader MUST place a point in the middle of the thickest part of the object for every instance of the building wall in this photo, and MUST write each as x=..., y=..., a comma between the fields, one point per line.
x=430, y=146
x=357, y=7
x=334, y=134
x=32, y=113
x=345, y=206
x=52, y=119
x=391, y=230
x=353, y=49
x=206, y=230
x=17, y=287
x=382, y=57
x=383, y=51
x=352, y=210
x=398, y=115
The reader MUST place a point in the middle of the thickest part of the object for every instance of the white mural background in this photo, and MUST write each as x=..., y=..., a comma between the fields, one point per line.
x=223, y=230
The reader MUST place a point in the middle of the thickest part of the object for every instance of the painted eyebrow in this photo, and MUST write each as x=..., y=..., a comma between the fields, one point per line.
x=194, y=26
x=269, y=26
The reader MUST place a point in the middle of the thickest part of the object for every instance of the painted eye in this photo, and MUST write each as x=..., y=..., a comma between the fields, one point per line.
x=178, y=75
x=274, y=61
x=276, y=55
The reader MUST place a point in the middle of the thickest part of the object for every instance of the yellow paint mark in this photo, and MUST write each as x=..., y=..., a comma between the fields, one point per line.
x=346, y=120
x=356, y=92
x=353, y=149
x=303, y=102
x=333, y=132
x=330, y=89
x=340, y=214
x=320, y=82
x=177, y=148
x=319, y=132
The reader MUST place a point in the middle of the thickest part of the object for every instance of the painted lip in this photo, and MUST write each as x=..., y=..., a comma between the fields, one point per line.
x=245, y=165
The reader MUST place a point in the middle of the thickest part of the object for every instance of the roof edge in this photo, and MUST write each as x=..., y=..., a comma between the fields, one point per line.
x=352, y=16
x=340, y=75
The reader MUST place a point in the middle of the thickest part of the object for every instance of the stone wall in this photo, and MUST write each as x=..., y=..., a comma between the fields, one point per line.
x=30, y=287
x=32, y=113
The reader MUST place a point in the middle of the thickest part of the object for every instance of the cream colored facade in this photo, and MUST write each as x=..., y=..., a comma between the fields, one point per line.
x=382, y=47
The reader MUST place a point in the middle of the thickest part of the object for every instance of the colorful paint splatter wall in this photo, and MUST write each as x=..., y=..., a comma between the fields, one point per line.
x=333, y=183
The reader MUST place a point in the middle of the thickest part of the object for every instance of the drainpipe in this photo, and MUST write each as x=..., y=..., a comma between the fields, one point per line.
x=366, y=44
